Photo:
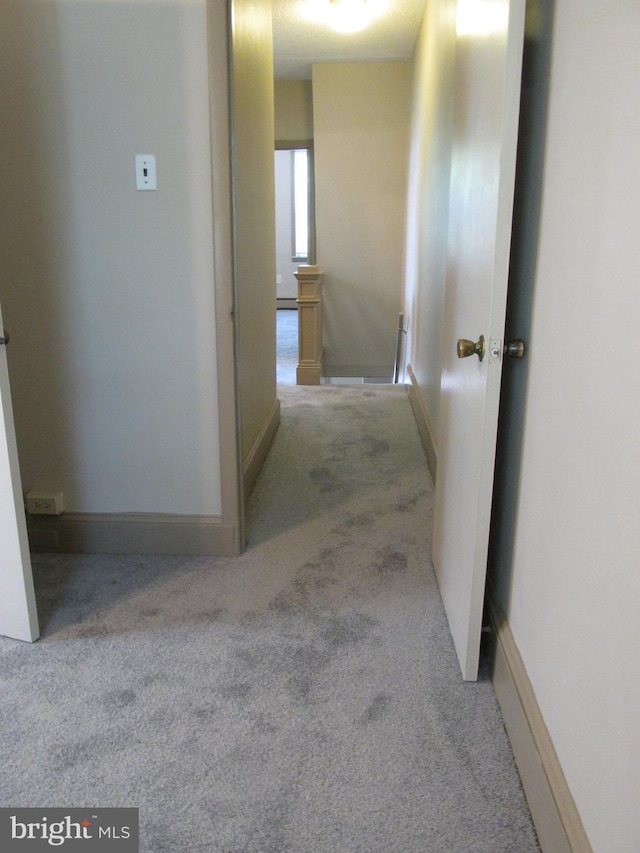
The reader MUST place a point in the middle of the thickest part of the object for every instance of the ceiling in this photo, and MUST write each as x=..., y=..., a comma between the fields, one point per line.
x=298, y=42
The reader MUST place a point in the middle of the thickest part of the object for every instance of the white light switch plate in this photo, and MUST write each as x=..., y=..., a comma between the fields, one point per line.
x=146, y=172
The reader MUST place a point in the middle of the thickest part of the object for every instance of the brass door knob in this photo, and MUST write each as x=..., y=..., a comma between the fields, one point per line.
x=514, y=349
x=466, y=348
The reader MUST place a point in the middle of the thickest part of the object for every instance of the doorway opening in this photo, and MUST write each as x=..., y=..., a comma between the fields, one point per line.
x=295, y=245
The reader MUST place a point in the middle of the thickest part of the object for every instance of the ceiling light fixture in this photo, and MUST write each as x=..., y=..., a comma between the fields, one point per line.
x=482, y=17
x=343, y=16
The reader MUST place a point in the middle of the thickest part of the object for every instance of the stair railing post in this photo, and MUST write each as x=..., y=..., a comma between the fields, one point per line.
x=310, y=350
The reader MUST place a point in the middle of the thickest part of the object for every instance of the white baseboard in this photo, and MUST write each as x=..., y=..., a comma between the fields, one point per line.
x=552, y=806
x=427, y=437
x=258, y=453
x=358, y=370
x=131, y=533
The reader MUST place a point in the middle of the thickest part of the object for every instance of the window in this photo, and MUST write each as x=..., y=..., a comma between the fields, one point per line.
x=300, y=195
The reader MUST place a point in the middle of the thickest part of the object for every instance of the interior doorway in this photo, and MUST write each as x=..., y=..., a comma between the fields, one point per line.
x=295, y=245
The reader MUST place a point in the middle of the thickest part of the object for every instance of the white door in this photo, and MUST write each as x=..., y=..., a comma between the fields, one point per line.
x=486, y=104
x=18, y=615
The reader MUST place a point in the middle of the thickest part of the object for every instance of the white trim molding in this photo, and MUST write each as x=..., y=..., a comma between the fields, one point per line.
x=552, y=806
x=258, y=453
x=382, y=372
x=423, y=422
x=132, y=533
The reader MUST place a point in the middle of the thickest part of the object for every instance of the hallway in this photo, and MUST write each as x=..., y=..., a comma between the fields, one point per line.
x=302, y=698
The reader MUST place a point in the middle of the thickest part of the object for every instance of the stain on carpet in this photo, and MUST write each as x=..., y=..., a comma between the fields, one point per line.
x=348, y=629
x=389, y=561
x=118, y=699
x=324, y=478
x=376, y=710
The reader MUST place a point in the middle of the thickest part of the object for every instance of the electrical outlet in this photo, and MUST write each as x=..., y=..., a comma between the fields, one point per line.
x=44, y=503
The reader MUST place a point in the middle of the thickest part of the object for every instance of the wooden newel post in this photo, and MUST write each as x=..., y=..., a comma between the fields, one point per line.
x=310, y=352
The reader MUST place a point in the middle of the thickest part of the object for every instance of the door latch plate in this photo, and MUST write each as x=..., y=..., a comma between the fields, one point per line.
x=495, y=349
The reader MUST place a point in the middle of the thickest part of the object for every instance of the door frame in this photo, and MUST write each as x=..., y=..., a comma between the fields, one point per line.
x=224, y=263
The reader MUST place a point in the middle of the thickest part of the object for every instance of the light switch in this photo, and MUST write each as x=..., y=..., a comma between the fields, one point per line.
x=146, y=172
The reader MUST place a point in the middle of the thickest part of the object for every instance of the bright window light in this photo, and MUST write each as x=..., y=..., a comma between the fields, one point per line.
x=300, y=204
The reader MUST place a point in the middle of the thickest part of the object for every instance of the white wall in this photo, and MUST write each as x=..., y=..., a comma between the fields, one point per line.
x=572, y=595
x=428, y=201
x=361, y=123
x=109, y=292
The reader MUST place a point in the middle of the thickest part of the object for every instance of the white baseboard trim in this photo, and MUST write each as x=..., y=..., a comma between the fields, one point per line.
x=131, y=533
x=258, y=453
x=552, y=806
x=358, y=370
x=425, y=430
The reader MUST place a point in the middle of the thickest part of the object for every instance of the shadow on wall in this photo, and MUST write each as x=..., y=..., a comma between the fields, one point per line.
x=522, y=273
x=36, y=244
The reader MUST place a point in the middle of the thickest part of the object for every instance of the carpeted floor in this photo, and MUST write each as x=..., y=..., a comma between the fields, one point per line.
x=302, y=698
x=286, y=345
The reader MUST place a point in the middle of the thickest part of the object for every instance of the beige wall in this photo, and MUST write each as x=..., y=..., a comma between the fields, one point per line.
x=293, y=111
x=253, y=124
x=572, y=594
x=428, y=203
x=361, y=122
x=109, y=292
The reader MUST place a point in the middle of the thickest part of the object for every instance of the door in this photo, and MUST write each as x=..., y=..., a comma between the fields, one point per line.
x=18, y=616
x=485, y=125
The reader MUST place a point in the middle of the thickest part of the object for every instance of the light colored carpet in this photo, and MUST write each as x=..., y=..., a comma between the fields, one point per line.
x=286, y=345
x=302, y=698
